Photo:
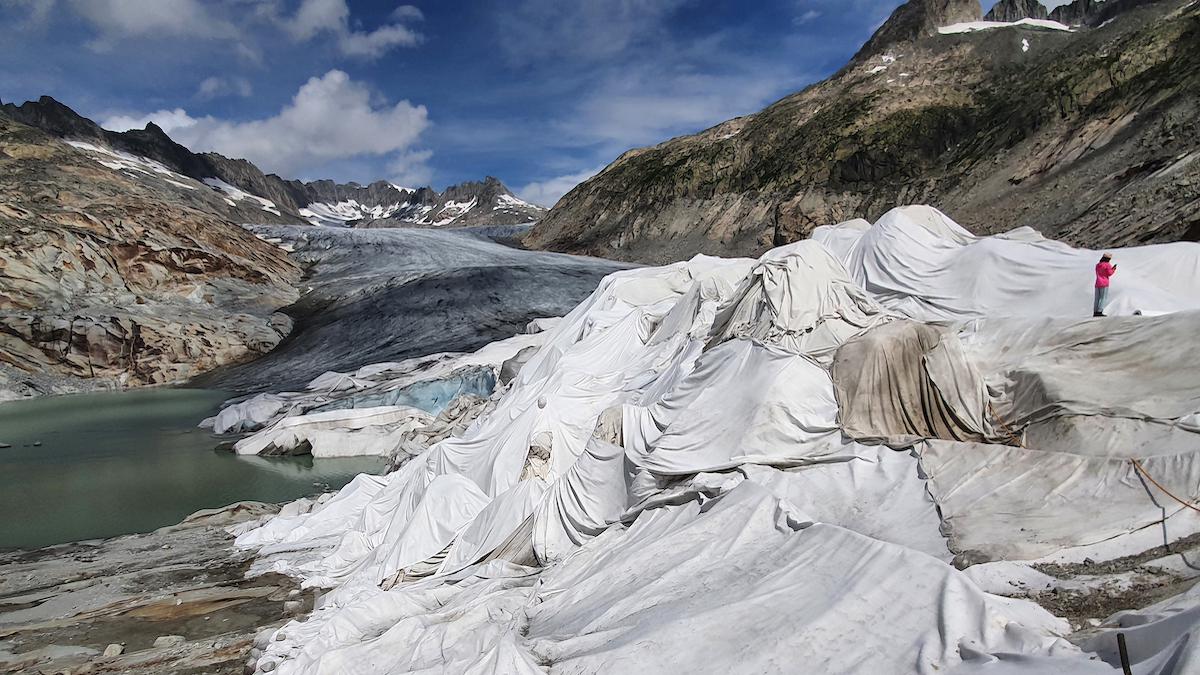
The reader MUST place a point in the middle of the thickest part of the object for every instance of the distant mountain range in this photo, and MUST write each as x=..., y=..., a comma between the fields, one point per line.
x=252, y=196
x=1082, y=122
x=123, y=261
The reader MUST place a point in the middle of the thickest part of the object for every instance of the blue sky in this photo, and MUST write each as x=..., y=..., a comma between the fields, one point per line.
x=541, y=93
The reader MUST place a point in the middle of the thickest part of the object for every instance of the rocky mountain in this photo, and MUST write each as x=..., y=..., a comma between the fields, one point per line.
x=249, y=195
x=1074, y=13
x=916, y=20
x=380, y=204
x=1079, y=12
x=1015, y=10
x=1088, y=135
x=117, y=271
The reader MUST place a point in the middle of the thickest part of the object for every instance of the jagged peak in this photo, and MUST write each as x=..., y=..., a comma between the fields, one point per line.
x=1014, y=10
x=917, y=19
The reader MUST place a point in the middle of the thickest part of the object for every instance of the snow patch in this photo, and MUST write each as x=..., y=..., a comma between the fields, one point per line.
x=238, y=195
x=876, y=69
x=1024, y=44
x=974, y=26
x=511, y=202
x=341, y=213
x=135, y=164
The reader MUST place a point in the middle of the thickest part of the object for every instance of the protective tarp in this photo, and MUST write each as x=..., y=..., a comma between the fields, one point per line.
x=917, y=261
x=1004, y=502
x=667, y=485
x=783, y=406
x=905, y=381
x=1139, y=367
x=800, y=298
x=248, y=415
x=494, y=524
x=1162, y=639
x=337, y=433
x=776, y=592
x=582, y=503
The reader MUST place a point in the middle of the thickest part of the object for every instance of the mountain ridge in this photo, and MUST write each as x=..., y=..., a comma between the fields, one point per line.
x=380, y=203
x=1086, y=135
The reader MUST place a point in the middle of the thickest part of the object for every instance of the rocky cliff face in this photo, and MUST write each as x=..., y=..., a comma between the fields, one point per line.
x=115, y=280
x=1015, y=10
x=1078, y=12
x=918, y=19
x=1089, y=136
x=380, y=204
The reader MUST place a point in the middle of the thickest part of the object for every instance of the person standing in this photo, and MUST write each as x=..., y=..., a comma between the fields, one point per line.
x=1104, y=270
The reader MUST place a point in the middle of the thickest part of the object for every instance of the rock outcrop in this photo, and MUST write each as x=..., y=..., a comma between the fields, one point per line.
x=917, y=19
x=1089, y=136
x=105, y=278
x=1015, y=10
x=1078, y=12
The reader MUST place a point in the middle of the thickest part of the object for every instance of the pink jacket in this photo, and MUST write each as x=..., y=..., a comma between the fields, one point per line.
x=1103, y=272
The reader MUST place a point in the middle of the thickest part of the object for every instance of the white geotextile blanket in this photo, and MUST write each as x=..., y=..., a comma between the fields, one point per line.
x=916, y=261
x=338, y=433
x=733, y=527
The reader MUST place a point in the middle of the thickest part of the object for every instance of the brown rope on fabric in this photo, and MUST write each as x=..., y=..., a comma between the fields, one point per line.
x=1012, y=436
x=1138, y=465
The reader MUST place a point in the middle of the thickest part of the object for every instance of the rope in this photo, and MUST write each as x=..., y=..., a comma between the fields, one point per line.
x=1138, y=465
x=1012, y=436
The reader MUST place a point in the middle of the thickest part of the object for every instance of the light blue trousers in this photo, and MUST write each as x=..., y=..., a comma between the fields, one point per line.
x=1101, y=299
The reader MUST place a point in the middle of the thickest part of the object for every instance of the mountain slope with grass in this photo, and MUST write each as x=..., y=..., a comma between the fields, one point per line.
x=1087, y=133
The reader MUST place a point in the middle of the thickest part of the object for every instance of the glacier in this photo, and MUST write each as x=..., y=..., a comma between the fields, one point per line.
x=858, y=453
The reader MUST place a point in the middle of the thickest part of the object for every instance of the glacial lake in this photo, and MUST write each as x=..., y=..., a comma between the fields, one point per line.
x=122, y=462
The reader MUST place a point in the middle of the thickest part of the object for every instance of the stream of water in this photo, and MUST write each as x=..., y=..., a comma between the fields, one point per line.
x=99, y=465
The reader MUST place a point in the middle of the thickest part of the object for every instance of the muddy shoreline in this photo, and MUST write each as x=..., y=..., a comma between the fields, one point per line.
x=62, y=606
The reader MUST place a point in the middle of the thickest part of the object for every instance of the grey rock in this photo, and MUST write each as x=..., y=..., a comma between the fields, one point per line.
x=1015, y=10
x=169, y=641
x=114, y=650
x=916, y=19
x=512, y=367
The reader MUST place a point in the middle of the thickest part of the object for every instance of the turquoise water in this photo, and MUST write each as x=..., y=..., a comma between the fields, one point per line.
x=122, y=462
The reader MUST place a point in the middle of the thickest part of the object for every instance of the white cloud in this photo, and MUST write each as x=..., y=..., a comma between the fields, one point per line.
x=315, y=17
x=217, y=87
x=331, y=118
x=646, y=104
x=125, y=18
x=806, y=16
x=39, y=12
x=549, y=191
x=411, y=168
x=169, y=120
x=244, y=25
x=532, y=31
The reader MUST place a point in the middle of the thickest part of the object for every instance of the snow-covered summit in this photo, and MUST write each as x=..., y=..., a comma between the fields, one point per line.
x=485, y=203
